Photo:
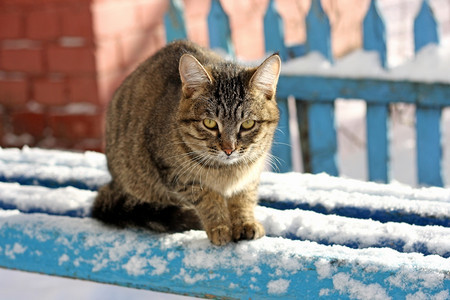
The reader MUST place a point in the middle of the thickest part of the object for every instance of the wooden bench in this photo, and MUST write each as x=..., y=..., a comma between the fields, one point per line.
x=326, y=236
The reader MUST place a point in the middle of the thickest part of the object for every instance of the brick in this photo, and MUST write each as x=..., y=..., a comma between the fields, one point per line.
x=76, y=127
x=13, y=93
x=43, y=25
x=32, y=123
x=83, y=89
x=11, y=25
x=77, y=22
x=50, y=92
x=71, y=60
x=22, y=60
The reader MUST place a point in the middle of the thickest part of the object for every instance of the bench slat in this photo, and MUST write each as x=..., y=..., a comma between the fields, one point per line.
x=187, y=263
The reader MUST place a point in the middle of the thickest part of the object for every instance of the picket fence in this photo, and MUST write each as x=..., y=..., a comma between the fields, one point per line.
x=316, y=94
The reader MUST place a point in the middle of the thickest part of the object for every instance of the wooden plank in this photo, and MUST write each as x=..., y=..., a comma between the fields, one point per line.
x=322, y=138
x=425, y=27
x=377, y=142
x=174, y=21
x=374, y=32
x=318, y=31
x=274, y=31
x=317, y=88
x=187, y=263
x=429, y=148
x=219, y=28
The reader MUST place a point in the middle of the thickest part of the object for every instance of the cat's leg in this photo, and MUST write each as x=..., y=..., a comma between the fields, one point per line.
x=116, y=207
x=241, y=207
x=213, y=212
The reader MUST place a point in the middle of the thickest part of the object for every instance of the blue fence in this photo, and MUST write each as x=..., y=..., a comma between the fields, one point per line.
x=315, y=94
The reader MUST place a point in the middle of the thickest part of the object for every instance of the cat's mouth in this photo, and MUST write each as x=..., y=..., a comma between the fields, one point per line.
x=229, y=159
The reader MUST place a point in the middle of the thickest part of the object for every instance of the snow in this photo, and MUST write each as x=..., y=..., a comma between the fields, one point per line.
x=431, y=64
x=357, y=290
x=279, y=286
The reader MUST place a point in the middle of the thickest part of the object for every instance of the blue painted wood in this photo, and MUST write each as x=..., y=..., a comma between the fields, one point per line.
x=429, y=148
x=380, y=91
x=174, y=21
x=322, y=134
x=274, y=42
x=318, y=31
x=377, y=142
x=281, y=148
x=188, y=264
x=296, y=50
x=374, y=32
x=219, y=28
x=322, y=138
x=425, y=27
x=274, y=31
x=374, y=39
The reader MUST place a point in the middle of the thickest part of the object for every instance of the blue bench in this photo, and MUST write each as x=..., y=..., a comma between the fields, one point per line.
x=326, y=236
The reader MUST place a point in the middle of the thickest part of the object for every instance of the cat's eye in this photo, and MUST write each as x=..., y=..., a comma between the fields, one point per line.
x=210, y=124
x=248, y=124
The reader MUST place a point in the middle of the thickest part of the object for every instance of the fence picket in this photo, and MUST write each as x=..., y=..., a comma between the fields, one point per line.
x=321, y=122
x=429, y=149
x=428, y=119
x=425, y=27
x=274, y=31
x=374, y=39
x=318, y=31
x=322, y=138
x=274, y=42
x=174, y=21
x=219, y=28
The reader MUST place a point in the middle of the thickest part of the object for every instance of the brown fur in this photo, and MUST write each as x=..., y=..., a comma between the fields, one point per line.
x=171, y=173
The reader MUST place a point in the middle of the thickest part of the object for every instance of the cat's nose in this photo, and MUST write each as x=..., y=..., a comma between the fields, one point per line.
x=228, y=151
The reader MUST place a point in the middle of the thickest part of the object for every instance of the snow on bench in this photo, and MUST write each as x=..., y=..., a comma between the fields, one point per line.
x=326, y=236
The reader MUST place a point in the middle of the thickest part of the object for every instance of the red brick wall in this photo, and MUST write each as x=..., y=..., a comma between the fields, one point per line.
x=61, y=60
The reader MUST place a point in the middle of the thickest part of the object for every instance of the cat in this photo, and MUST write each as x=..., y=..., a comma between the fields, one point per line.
x=187, y=136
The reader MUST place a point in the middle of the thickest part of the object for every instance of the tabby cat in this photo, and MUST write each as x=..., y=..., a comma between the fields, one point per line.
x=187, y=136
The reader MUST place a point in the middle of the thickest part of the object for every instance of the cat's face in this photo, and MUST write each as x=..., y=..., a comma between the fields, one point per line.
x=228, y=114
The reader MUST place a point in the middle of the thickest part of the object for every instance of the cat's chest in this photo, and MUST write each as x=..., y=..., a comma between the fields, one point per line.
x=230, y=182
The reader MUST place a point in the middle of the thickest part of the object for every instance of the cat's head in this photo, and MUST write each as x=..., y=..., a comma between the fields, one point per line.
x=228, y=113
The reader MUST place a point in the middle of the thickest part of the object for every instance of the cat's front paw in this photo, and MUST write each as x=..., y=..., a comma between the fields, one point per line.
x=248, y=231
x=220, y=235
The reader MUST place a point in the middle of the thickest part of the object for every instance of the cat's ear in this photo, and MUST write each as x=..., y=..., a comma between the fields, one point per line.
x=266, y=76
x=193, y=75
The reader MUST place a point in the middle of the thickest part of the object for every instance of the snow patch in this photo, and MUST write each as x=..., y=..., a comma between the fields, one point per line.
x=279, y=286
x=431, y=64
x=324, y=268
x=135, y=266
x=160, y=265
x=62, y=259
x=15, y=249
x=358, y=290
